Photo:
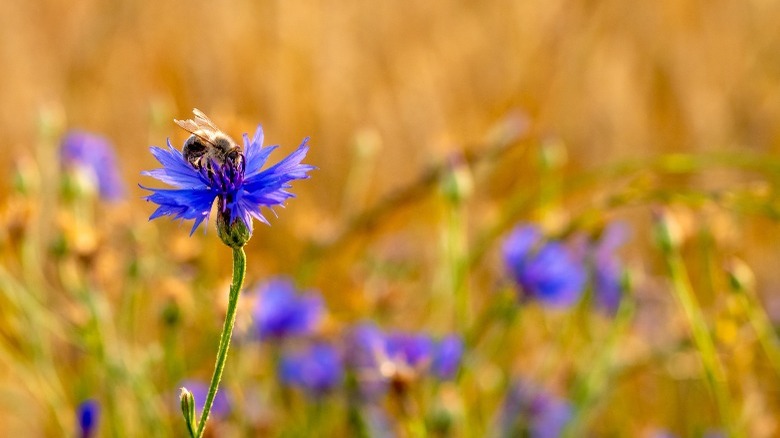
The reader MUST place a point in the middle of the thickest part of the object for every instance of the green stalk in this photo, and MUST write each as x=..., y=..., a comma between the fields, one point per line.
x=593, y=383
x=713, y=368
x=751, y=306
x=239, y=269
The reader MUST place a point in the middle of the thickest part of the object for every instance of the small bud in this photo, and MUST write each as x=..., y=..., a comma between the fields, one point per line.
x=553, y=154
x=235, y=235
x=457, y=183
x=740, y=275
x=188, y=409
x=667, y=230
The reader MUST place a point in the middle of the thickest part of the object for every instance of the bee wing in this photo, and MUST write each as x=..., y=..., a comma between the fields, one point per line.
x=199, y=123
x=204, y=122
x=188, y=125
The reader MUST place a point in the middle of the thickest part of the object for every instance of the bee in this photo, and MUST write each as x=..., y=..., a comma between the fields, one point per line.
x=208, y=144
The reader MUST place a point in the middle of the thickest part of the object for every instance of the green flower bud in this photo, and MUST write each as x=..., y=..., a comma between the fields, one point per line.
x=188, y=409
x=235, y=235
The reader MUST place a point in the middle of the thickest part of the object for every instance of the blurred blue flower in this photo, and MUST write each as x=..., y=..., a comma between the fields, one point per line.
x=608, y=267
x=531, y=411
x=87, y=414
x=281, y=312
x=364, y=349
x=409, y=350
x=200, y=390
x=448, y=356
x=317, y=370
x=546, y=271
x=239, y=186
x=94, y=156
x=397, y=359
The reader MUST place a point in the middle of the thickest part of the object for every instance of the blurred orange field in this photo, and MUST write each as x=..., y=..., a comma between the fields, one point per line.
x=435, y=127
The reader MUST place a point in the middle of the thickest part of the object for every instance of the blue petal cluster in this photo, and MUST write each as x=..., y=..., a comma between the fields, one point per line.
x=95, y=156
x=531, y=411
x=87, y=414
x=240, y=187
x=282, y=312
x=547, y=271
x=381, y=359
x=318, y=369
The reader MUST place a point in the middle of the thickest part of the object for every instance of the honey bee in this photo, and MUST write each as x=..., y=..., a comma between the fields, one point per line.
x=208, y=144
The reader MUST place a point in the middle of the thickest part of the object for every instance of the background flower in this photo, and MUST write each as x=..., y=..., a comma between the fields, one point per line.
x=94, y=156
x=317, y=369
x=545, y=271
x=88, y=414
x=281, y=312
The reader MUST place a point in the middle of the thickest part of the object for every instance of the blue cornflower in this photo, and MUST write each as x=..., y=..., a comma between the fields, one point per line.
x=409, y=350
x=221, y=407
x=533, y=412
x=88, y=413
x=282, y=312
x=317, y=370
x=234, y=179
x=398, y=359
x=547, y=271
x=94, y=156
x=365, y=349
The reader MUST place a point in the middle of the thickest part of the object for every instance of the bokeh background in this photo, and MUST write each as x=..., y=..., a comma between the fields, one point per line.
x=571, y=114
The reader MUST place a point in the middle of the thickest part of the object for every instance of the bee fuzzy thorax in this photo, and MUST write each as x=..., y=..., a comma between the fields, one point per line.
x=207, y=144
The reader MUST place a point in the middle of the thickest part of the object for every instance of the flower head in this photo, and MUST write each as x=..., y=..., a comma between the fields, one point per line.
x=93, y=156
x=547, y=271
x=282, y=312
x=234, y=179
x=317, y=370
x=397, y=359
x=87, y=414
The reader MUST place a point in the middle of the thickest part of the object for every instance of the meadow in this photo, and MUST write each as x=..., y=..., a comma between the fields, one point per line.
x=541, y=218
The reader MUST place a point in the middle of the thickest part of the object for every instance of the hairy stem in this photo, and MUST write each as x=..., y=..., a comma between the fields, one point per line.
x=239, y=269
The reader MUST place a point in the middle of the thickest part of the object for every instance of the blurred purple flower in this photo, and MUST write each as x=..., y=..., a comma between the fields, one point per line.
x=317, y=370
x=397, y=359
x=88, y=413
x=608, y=267
x=238, y=184
x=281, y=312
x=531, y=411
x=448, y=356
x=93, y=155
x=409, y=350
x=221, y=407
x=365, y=348
x=546, y=271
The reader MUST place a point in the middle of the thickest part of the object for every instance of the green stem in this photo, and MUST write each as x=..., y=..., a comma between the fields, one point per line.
x=239, y=269
x=713, y=368
x=601, y=373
